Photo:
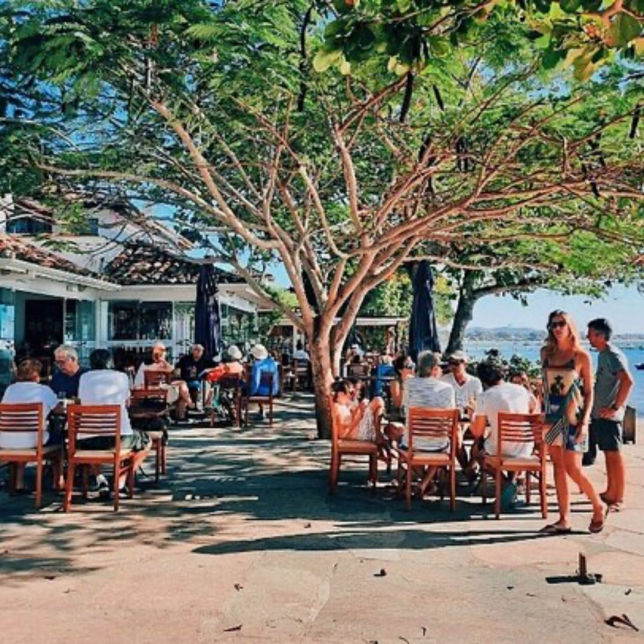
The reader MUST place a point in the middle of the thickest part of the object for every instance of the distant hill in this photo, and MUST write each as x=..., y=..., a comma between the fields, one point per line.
x=527, y=334
x=524, y=334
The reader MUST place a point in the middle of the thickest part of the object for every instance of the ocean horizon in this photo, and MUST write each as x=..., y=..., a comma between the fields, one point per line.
x=530, y=350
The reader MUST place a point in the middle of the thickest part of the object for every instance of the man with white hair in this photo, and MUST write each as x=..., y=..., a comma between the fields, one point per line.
x=65, y=380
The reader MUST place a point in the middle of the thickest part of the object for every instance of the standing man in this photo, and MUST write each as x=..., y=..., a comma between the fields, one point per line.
x=613, y=384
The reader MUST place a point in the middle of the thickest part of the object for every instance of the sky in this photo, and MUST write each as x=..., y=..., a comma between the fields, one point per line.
x=623, y=307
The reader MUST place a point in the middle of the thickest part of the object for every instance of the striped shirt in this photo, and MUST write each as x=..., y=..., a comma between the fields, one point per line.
x=428, y=393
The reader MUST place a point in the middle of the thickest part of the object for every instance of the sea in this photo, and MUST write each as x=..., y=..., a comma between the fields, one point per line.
x=530, y=350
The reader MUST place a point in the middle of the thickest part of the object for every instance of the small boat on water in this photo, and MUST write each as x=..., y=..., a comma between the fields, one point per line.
x=640, y=366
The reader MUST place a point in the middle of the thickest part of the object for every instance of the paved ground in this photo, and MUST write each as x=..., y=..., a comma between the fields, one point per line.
x=242, y=543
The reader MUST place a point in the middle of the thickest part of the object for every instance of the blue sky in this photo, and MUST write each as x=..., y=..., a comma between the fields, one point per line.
x=624, y=307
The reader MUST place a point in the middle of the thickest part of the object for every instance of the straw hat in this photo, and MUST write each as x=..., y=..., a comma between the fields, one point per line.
x=233, y=352
x=259, y=352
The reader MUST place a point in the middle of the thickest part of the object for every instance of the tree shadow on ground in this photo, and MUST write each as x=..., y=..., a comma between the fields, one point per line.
x=256, y=474
x=402, y=539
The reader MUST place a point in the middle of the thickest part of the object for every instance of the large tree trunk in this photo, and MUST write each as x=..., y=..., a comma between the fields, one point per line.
x=320, y=353
x=464, y=311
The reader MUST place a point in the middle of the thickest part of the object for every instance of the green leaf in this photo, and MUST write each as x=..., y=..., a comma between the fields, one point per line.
x=403, y=5
x=324, y=59
x=570, y=6
x=552, y=57
x=624, y=29
x=591, y=5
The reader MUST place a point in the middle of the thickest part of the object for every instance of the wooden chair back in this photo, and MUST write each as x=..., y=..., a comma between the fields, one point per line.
x=93, y=420
x=358, y=370
x=230, y=381
x=436, y=424
x=153, y=378
x=154, y=394
x=18, y=418
x=519, y=428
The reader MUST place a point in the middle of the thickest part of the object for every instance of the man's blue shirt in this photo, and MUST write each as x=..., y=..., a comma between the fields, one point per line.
x=268, y=364
x=62, y=383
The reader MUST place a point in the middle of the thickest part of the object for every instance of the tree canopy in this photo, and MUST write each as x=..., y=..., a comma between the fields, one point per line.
x=216, y=112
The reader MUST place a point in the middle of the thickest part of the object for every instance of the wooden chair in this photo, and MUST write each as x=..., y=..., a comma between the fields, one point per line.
x=28, y=417
x=358, y=370
x=301, y=374
x=439, y=425
x=150, y=404
x=348, y=446
x=265, y=380
x=97, y=420
x=232, y=384
x=153, y=378
x=523, y=429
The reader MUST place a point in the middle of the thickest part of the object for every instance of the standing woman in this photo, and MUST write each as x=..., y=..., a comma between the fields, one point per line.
x=568, y=398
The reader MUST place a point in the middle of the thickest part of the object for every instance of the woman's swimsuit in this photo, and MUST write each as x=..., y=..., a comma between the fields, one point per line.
x=564, y=400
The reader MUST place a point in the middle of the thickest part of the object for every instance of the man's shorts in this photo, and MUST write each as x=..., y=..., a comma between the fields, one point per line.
x=606, y=434
x=137, y=441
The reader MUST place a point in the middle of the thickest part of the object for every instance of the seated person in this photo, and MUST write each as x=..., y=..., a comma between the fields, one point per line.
x=300, y=353
x=403, y=369
x=231, y=366
x=191, y=369
x=424, y=390
x=102, y=385
x=384, y=369
x=356, y=420
x=178, y=391
x=28, y=389
x=498, y=396
x=67, y=375
x=466, y=387
x=522, y=378
x=262, y=363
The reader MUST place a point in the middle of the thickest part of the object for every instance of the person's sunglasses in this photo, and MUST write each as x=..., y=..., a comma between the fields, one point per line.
x=558, y=323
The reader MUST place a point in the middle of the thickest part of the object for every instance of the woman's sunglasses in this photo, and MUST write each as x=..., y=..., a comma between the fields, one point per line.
x=557, y=324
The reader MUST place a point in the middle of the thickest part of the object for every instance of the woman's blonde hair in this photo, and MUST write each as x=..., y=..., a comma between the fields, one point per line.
x=551, y=342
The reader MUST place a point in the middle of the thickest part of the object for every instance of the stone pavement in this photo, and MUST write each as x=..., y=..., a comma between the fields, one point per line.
x=243, y=543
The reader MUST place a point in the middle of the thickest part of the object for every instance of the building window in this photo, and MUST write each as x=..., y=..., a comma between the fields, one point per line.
x=7, y=315
x=131, y=320
x=27, y=226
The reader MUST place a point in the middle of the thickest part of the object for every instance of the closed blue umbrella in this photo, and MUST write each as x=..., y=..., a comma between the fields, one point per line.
x=207, y=322
x=423, y=335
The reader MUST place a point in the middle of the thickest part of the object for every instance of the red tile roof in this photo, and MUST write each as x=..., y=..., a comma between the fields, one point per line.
x=16, y=247
x=143, y=264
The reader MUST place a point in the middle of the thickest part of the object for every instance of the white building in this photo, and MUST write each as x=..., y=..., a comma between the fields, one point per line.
x=121, y=284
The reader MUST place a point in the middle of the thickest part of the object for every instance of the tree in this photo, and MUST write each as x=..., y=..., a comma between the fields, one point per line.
x=200, y=108
x=586, y=265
